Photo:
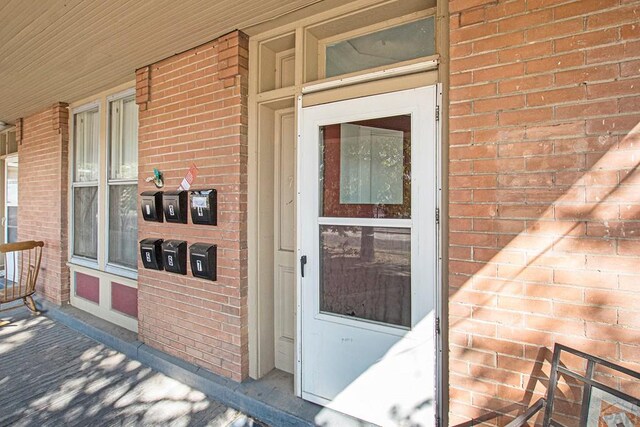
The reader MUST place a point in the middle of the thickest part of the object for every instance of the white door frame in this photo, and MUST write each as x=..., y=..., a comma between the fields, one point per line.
x=437, y=253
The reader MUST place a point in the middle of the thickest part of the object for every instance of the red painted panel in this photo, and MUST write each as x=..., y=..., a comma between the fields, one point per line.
x=88, y=287
x=124, y=299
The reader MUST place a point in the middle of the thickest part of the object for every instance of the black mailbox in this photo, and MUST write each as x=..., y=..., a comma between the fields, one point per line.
x=174, y=255
x=152, y=205
x=203, y=260
x=175, y=206
x=204, y=207
x=151, y=253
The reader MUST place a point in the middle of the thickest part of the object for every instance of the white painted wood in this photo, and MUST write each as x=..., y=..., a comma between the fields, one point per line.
x=387, y=72
x=379, y=373
x=297, y=381
x=102, y=310
x=304, y=30
x=366, y=222
x=99, y=267
x=284, y=250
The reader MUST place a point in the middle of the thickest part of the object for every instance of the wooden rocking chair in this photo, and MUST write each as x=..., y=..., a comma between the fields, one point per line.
x=21, y=268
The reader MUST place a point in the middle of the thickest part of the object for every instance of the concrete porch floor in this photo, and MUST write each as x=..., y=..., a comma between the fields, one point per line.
x=52, y=375
x=101, y=357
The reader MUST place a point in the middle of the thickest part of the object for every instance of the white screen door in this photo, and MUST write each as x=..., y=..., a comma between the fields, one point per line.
x=367, y=248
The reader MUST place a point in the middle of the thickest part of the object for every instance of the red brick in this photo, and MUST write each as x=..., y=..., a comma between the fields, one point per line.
x=472, y=92
x=501, y=103
x=473, y=62
x=472, y=16
x=192, y=117
x=586, y=40
x=589, y=109
x=473, y=32
x=562, y=237
x=553, y=30
x=524, y=84
x=44, y=157
x=630, y=68
x=614, y=17
x=498, y=73
x=556, y=96
x=525, y=116
x=498, y=42
x=587, y=75
x=528, y=51
x=460, y=5
x=581, y=8
x=629, y=32
x=558, y=62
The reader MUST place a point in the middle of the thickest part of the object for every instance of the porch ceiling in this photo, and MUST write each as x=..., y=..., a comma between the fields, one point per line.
x=66, y=50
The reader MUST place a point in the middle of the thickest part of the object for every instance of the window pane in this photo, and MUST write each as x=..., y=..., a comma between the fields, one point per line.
x=85, y=222
x=396, y=44
x=12, y=183
x=366, y=168
x=86, y=134
x=123, y=225
x=123, y=149
x=12, y=224
x=366, y=273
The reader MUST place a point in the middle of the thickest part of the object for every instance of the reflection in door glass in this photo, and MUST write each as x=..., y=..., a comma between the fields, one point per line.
x=366, y=168
x=365, y=272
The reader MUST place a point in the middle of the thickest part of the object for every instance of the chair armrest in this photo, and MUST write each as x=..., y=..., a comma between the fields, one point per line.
x=530, y=412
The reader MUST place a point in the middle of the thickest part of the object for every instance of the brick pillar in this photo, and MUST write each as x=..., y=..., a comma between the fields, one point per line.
x=193, y=110
x=43, y=153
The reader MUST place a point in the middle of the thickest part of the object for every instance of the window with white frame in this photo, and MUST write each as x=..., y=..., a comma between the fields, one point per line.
x=117, y=185
x=86, y=171
x=123, y=182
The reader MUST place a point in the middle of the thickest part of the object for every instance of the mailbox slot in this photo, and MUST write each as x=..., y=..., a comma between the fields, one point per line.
x=174, y=255
x=175, y=206
x=151, y=206
x=203, y=260
x=151, y=253
x=204, y=207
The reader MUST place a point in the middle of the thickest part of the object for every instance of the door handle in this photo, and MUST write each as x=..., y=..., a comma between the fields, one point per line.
x=303, y=261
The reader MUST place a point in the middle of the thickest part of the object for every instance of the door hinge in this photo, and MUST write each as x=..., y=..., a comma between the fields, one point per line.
x=437, y=215
x=437, y=113
x=437, y=326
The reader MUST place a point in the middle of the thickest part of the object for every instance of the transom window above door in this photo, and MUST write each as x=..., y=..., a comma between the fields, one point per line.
x=399, y=43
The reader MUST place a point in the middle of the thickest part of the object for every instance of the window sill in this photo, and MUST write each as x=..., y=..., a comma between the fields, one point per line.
x=109, y=269
x=122, y=271
x=83, y=262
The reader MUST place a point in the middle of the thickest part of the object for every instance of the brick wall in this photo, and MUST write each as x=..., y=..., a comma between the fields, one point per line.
x=42, y=198
x=193, y=110
x=544, y=193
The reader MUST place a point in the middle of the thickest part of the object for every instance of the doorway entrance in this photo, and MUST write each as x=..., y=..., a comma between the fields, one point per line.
x=367, y=247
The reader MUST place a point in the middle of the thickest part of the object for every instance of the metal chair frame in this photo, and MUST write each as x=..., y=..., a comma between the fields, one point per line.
x=587, y=380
